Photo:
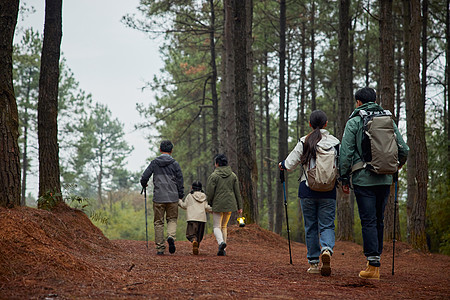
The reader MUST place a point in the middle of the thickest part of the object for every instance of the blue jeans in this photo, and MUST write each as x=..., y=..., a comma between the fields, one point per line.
x=371, y=204
x=318, y=215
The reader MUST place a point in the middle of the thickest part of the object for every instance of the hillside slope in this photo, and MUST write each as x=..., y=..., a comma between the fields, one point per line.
x=61, y=255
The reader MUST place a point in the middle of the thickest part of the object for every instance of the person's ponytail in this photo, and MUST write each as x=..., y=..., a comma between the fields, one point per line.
x=317, y=119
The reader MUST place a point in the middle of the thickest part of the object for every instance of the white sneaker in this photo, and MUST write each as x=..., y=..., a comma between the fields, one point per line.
x=313, y=269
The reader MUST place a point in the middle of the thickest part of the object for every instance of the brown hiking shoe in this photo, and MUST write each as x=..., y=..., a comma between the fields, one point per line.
x=370, y=272
x=326, y=263
x=195, y=247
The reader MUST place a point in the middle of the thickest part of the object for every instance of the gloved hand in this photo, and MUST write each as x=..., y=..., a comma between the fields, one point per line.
x=344, y=180
x=144, y=184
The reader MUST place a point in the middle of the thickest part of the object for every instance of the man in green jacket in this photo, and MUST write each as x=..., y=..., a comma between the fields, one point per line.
x=371, y=189
x=223, y=195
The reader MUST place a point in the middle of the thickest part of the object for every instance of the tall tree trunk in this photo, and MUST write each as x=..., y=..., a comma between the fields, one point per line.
x=367, y=46
x=261, y=195
x=251, y=108
x=411, y=188
x=215, y=100
x=447, y=81
x=24, y=157
x=313, y=60
x=387, y=91
x=269, y=170
x=303, y=82
x=282, y=127
x=398, y=77
x=99, y=182
x=228, y=120
x=9, y=116
x=246, y=162
x=344, y=207
x=415, y=115
x=49, y=178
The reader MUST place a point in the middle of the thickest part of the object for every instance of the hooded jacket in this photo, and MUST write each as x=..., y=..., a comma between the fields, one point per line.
x=293, y=160
x=167, y=179
x=351, y=147
x=222, y=190
x=196, y=206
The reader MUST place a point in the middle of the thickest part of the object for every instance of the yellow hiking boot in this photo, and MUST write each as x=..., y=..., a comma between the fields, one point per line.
x=370, y=272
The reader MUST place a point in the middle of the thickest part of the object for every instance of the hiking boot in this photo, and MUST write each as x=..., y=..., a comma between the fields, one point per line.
x=222, y=247
x=326, y=263
x=195, y=247
x=370, y=272
x=171, y=242
x=313, y=269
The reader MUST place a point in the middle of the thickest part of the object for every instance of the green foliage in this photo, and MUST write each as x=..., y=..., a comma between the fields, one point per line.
x=49, y=200
x=83, y=203
x=438, y=211
x=100, y=152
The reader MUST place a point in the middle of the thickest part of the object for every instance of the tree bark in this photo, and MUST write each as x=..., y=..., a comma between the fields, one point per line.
x=313, y=59
x=387, y=93
x=269, y=169
x=415, y=114
x=215, y=100
x=411, y=188
x=24, y=158
x=9, y=117
x=246, y=161
x=282, y=126
x=344, y=206
x=303, y=81
x=228, y=119
x=49, y=178
x=447, y=81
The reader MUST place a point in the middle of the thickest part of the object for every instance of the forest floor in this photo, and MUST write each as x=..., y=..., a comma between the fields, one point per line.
x=61, y=255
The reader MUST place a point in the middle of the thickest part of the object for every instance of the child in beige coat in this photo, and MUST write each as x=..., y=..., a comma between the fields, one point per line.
x=196, y=207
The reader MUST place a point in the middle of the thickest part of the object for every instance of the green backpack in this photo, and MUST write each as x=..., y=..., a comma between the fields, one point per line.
x=379, y=143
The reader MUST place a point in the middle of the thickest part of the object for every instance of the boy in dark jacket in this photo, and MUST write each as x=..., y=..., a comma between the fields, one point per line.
x=167, y=190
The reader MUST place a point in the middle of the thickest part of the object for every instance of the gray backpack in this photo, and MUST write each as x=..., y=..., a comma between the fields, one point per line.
x=379, y=143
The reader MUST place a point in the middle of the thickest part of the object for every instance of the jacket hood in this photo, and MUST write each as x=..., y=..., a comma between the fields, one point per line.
x=164, y=160
x=223, y=172
x=327, y=140
x=199, y=196
x=369, y=106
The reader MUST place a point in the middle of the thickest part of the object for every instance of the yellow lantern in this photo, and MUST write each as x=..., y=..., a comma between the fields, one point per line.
x=241, y=221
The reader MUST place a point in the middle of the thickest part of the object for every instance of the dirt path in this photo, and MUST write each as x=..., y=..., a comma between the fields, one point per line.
x=55, y=256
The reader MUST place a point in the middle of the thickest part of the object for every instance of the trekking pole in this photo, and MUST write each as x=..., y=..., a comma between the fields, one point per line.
x=285, y=206
x=145, y=201
x=395, y=217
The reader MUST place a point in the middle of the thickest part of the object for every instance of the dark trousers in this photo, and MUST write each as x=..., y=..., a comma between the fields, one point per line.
x=195, y=231
x=371, y=204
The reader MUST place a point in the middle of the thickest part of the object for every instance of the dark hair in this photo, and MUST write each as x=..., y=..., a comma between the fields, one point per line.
x=196, y=186
x=221, y=160
x=166, y=146
x=365, y=95
x=318, y=119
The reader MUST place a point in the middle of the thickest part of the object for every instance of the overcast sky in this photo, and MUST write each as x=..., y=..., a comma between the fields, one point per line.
x=109, y=60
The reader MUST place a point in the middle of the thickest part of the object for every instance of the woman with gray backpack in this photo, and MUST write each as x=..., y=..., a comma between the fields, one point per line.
x=317, y=153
